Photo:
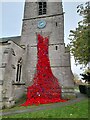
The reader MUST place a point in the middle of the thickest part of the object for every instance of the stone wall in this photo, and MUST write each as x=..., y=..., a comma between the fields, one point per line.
x=11, y=91
x=3, y=63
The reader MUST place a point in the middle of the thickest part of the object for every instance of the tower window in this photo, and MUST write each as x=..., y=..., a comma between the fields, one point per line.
x=42, y=8
x=56, y=47
x=56, y=23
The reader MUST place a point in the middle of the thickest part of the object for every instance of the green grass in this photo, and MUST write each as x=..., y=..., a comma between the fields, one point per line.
x=76, y=110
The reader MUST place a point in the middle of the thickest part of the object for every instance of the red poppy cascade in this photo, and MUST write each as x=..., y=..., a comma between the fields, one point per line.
x=45, y=88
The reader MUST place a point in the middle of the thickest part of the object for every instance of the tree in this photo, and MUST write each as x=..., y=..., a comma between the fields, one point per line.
x=86, y=71
x=76, y=77
x=80, y=37
x=86, y=77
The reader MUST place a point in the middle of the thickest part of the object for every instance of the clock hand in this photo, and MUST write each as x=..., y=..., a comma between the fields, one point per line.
x=41, y=24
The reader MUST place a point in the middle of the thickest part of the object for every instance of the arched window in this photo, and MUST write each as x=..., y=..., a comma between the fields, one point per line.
x=19, y=69
x=42, y=8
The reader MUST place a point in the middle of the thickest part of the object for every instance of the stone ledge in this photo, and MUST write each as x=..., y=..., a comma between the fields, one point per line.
x=18, y=83
x=67, y=87
x=68, y=95
x=67, y=90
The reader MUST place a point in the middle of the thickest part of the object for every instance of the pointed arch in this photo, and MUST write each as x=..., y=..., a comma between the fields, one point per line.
x=19, y=69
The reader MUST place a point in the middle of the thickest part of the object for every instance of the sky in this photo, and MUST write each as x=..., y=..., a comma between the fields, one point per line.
x=11, y=15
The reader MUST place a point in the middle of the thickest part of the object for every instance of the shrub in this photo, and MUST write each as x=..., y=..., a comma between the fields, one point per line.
x=82, y=89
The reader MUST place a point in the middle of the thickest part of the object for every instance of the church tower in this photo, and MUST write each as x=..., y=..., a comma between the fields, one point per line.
x=46, y=18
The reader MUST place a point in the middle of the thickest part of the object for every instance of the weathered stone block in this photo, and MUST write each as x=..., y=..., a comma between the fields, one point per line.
x=1, y=105
x=68, y=95
x=9, y=104
x=68, y=92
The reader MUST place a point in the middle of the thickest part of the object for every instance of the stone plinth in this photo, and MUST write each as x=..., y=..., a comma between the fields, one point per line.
x=68, y=93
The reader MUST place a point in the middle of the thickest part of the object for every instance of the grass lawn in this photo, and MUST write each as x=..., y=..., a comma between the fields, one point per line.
x=76, y=110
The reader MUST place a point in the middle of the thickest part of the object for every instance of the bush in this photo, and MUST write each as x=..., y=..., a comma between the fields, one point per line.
x=82, y=89
x=85, y=89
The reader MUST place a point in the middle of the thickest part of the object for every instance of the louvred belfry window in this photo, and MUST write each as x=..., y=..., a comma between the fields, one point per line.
x=42, y=8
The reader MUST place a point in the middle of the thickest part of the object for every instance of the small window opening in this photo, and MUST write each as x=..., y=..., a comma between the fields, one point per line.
x=56, y=23
x=19, y=68
x=42, y=8
x=56, y=47
x=13, y=53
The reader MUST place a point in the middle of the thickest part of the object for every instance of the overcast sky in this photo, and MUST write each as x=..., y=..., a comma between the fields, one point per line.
x=11, y=21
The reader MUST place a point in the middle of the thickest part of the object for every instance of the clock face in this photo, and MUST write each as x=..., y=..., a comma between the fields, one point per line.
x=41, y=24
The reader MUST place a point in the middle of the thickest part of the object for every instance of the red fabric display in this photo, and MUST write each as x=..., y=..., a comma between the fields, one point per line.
x=45, y=88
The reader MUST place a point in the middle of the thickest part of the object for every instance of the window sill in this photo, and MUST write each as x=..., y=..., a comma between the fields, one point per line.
x=18, y=83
